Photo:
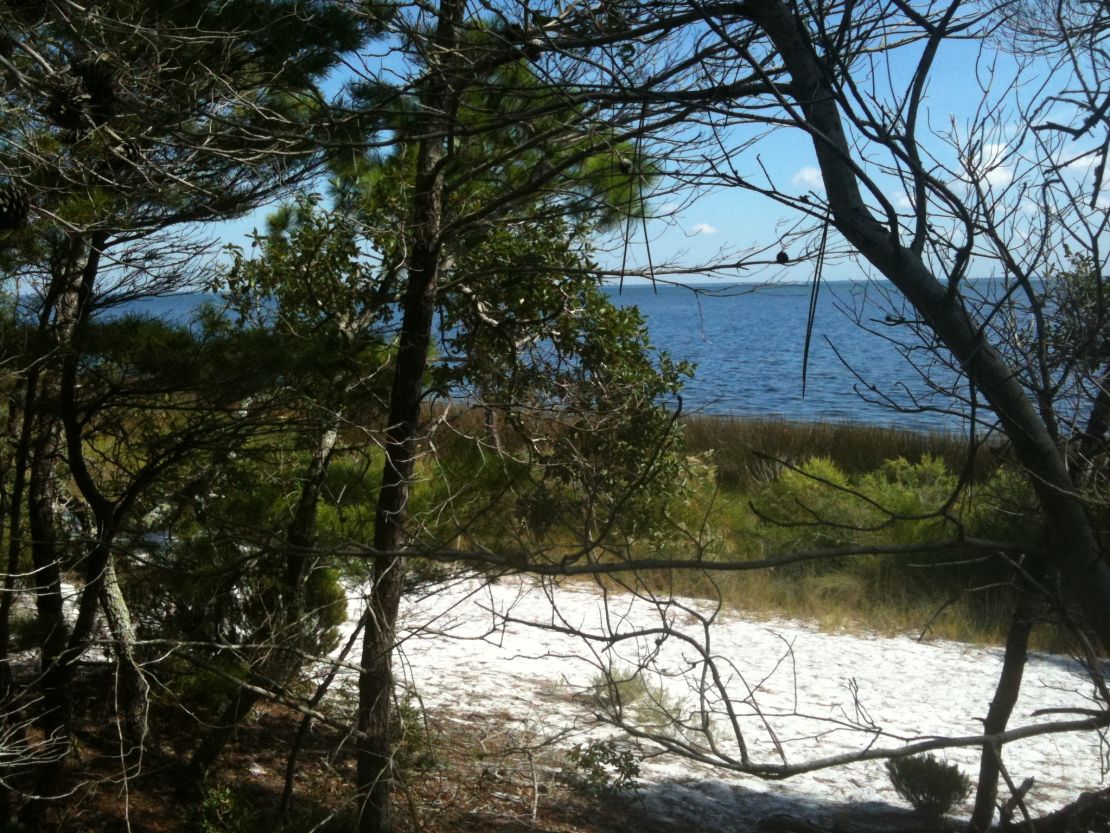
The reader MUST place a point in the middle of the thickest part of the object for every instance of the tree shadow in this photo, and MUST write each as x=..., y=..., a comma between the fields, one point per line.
x=715, y=806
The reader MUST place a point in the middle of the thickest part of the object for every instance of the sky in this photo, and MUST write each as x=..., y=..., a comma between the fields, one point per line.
x=733, y=219
x=726, y=223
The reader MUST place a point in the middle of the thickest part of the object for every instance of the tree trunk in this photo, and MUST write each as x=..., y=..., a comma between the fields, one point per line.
x=1074, y=545
x=1002, y=706
x=42, y=508
x=67, y=303
x=375, y=686
x=23, y=415
x=133, y=690
x=306, y=721
x=54, y=718
x=376, y=669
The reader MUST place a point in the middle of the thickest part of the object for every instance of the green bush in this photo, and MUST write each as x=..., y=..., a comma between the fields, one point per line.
x=1004, y=508
x=226, y=809
x=932, y=786
x=819, y=504
x=601, y=767
x=745, y=450
x=28, y=632
x=414, y=742
x=326, y=602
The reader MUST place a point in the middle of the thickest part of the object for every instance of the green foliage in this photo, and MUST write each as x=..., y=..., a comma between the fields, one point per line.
x=1004, y=508
x=749, y=452
x=326, y=603
x=594, y=394
x=1079, y=324
x=414, y=742
x=526, y=330
x=27, y=632
x=203, y=690
x=933, y=787
x=130, y=121
x=217, y=577
x=224, y=809
x=957, y=592
x=602, y=767
x=817, y=504
x=308, y=277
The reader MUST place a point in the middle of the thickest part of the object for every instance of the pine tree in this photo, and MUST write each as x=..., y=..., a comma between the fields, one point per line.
x=120, y=122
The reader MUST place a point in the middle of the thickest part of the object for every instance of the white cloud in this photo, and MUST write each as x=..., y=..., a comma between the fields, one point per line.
x=1030, y=208
x=990, y=165
x=808, y=178
x=1082, y=164
x=703, y=228
x=993, y=153
x=999, y=176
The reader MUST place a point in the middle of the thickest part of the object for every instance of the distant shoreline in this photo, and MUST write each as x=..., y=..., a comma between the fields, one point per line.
x=781, y=421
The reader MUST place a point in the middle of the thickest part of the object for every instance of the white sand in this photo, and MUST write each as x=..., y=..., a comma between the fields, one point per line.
x=500, y=649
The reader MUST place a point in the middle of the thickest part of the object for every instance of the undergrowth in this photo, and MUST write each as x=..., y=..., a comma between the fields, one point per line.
x=749, y=490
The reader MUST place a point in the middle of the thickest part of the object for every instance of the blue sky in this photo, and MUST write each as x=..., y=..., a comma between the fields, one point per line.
x=735, y=221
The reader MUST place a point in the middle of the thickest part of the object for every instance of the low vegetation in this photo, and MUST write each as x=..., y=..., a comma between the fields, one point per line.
x=934, y=788
x=747, y=490
x=748, y=451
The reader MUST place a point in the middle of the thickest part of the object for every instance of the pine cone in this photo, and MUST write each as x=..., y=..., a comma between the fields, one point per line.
x=120, y=158
x=99, y=83
x=127, y=150
x=14, y=206
x=67, y=103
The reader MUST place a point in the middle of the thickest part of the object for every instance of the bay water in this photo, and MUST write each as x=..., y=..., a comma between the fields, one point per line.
x=747, y=343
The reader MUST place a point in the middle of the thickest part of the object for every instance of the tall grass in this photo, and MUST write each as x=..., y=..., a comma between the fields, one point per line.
x=847, y=484
x=754, y=488
x=749, y=451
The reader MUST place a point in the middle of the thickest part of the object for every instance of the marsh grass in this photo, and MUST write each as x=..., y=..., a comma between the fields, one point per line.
x=841, y=485
x=754, y=488
x=748, y=452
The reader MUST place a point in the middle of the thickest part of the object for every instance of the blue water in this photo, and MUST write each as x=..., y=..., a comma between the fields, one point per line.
x=747, y=344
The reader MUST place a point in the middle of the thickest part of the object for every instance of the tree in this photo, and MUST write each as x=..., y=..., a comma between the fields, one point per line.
x=486, y=142
x=517, y=134
x=123, y=123
x=314, y=296
x=816, y=68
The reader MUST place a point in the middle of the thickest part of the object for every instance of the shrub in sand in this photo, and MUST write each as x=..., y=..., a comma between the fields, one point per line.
x=932, y=786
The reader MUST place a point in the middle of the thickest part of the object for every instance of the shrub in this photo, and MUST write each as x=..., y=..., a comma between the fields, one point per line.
x=28, y=632
x=414, y=742
x=629, y=697
x=225, y=809
x=745, y=449
x=602, y=767
x=932, y=786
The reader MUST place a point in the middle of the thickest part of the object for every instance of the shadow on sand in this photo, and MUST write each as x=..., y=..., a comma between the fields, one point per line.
x=713, y=806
